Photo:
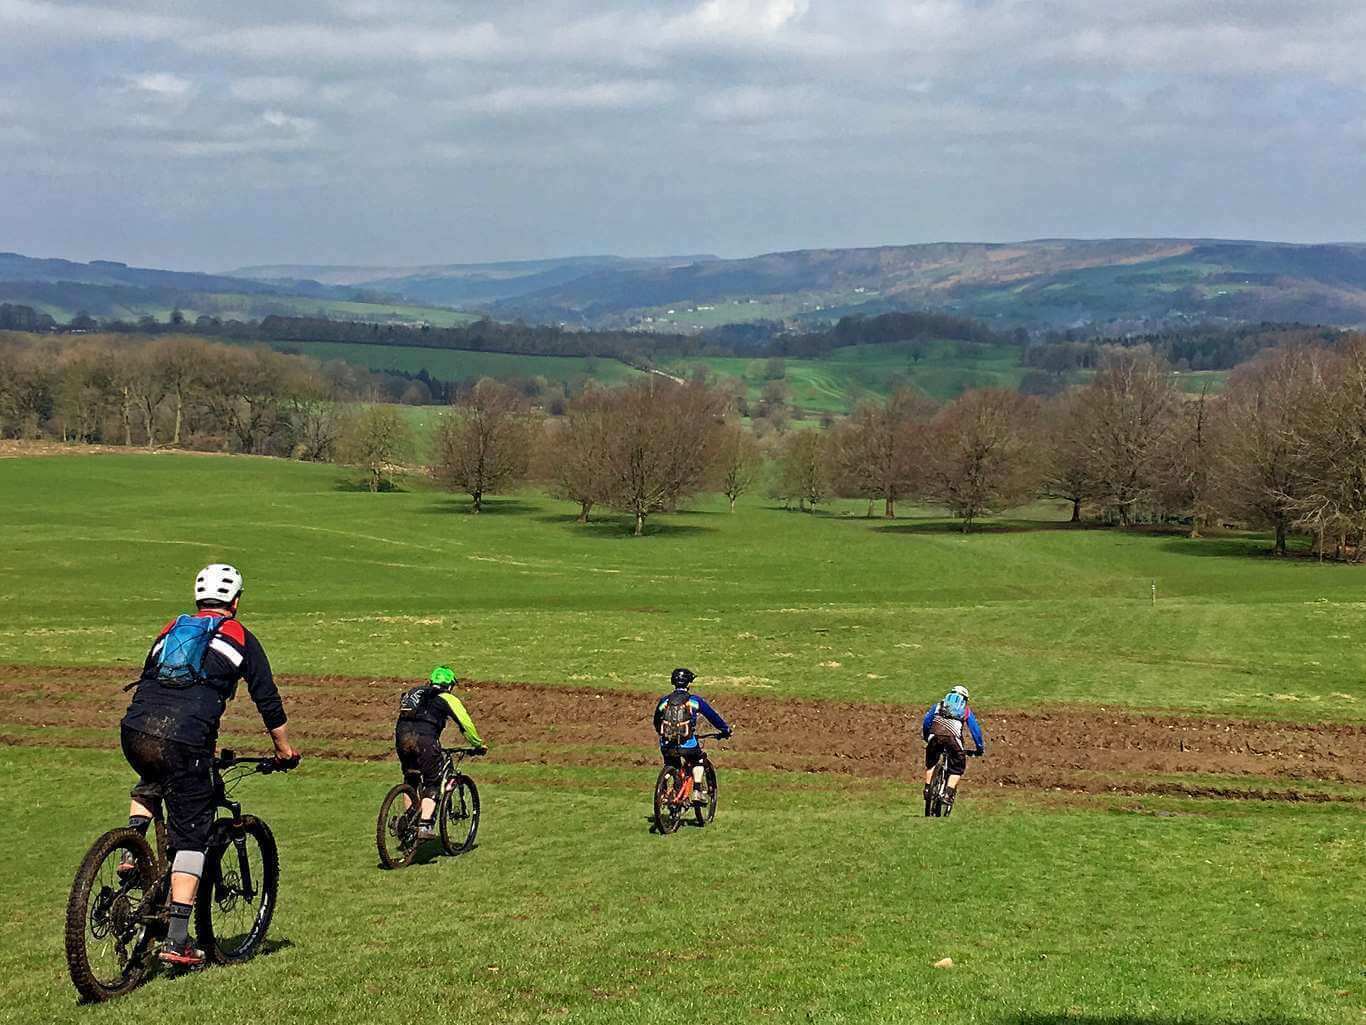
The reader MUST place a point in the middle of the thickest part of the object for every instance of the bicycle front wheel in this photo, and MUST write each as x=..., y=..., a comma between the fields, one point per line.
x=459, y=815
x=396, y=828
x=106, y=932
x=668, y=813
x=237, y=894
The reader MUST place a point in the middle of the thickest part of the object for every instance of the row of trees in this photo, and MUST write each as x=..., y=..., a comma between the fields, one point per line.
x=181, y=391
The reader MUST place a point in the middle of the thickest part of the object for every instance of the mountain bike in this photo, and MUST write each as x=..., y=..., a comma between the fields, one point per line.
x=936, y=805
x=457, y=812
x=674, y=790
x=115, y=919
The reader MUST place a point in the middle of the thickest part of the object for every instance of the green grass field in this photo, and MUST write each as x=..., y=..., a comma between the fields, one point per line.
x=836, y=383
x=814, y=897
x=455, y=364
x=802, y=903
x=763, y=601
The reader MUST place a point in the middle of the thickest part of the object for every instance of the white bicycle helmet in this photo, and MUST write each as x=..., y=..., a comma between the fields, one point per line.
x=960, y=689
x=218, y=582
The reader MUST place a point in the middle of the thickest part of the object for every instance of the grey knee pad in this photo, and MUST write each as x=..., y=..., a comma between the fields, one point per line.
x=190, y=863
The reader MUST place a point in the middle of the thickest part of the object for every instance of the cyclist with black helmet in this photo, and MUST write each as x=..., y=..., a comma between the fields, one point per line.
x=675, y=721
x=423, y=712
x=942, y=729
x=170, y=729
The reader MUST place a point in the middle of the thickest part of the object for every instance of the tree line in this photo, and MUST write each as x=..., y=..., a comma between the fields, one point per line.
x=185, y=392
x=1283, y=447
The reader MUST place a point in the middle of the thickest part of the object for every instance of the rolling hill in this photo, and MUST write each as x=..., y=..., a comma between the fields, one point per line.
x=1044, y=283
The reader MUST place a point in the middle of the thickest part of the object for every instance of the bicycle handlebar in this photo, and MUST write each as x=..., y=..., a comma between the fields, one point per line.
x=715, y=736
x=227, y=759
x=473, y=752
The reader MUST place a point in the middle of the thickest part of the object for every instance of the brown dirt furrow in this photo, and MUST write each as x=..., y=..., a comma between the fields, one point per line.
x=1070, y=750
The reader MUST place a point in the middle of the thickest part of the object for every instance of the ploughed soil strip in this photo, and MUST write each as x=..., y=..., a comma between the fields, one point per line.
x=1073, y=749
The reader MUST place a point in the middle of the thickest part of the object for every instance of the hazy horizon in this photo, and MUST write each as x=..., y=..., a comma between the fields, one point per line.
x=397, y=134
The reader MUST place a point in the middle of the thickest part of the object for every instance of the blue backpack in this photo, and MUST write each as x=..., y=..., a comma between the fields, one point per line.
x=181, y=661
x=954, y=706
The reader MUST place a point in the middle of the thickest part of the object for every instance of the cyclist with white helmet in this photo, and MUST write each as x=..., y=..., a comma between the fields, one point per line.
x=171, y=728
x=943, y=732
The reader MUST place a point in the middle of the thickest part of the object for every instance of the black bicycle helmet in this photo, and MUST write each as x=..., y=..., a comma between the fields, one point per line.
x=681, y=678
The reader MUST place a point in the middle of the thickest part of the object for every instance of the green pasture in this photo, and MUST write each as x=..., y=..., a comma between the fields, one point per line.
x=804, y=902
x=459, y=364
x=100, y=550
x=836, y=383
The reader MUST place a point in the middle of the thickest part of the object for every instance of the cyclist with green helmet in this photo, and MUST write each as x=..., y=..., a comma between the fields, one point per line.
x=423, y=712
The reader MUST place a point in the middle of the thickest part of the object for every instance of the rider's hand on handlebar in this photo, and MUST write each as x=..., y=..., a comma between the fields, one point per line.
x=480, y=751
x=726, y=734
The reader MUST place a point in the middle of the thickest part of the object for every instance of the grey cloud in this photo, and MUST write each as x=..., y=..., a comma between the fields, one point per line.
x=419, y=130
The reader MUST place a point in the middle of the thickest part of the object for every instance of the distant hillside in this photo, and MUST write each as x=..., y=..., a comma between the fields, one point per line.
x=110, y=291
x=1051, y=282
x=460, y=284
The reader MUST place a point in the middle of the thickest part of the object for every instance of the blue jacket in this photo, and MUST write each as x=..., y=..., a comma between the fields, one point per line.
x=973, y=727
x=697, y=704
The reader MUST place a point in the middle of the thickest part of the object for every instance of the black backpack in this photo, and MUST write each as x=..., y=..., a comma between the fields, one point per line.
x=675, y=726
x=414, y=704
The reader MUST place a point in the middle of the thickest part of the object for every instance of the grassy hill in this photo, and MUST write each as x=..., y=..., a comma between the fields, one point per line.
x=1055, y=282
x=347, y=581
x=114, y=291
x=815, y=884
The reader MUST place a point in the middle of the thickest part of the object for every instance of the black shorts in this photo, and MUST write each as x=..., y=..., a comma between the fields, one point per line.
x=958, y=759
x=420, y=755
x=179, y=775
x=683, y=757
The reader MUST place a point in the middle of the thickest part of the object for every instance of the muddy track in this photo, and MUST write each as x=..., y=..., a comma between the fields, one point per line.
x=1068, y=750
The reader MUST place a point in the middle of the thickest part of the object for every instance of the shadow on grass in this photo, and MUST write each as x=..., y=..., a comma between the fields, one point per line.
x=1136, y=1019
x=990, y=527
x=269, y=947
x=612, y=528
x=462, y=506
x=385, y=486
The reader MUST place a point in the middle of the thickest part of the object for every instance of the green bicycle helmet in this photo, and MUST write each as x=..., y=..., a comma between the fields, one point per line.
x=442, y=676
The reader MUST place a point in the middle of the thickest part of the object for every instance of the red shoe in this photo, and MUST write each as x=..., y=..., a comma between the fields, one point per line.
x=182, y=955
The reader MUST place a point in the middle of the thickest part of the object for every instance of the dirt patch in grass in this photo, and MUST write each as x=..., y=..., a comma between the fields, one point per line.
x=1067, y=750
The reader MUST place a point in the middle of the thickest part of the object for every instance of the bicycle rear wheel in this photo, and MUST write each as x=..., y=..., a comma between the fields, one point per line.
x=939, y=786
x=396, y=828
x=237, y=894
x=107, y=936
x=668, y=813
x=706, y=812
x=459, y=815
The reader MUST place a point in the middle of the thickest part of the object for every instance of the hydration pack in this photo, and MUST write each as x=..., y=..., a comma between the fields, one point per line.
x=415, y=703
x=676, y=725
x=180, y=663
x=954, y=706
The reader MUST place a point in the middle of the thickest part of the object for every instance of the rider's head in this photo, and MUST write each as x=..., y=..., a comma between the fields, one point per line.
x=218, y=586
x=960, y=689
x=682, y=678
x=442, y=676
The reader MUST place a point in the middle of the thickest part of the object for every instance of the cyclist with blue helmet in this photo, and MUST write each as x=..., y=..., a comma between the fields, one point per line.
x=675, y=721
x=943, y=732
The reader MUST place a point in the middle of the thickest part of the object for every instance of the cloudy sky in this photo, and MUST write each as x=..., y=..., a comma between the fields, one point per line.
x=206, y=135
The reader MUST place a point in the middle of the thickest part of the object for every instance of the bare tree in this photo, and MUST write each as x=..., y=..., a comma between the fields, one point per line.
x=739, y=461
x=1184, y=468
x=1126, y=413
x=1065, y=461
x=485, y=443
x=1327, y=493
x=803, y=469
x=1260, y=445
x=983, y=456
x=146, y=383
x=375, y=438
x=662, y=437
x=573, y=455
x=878, y=452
